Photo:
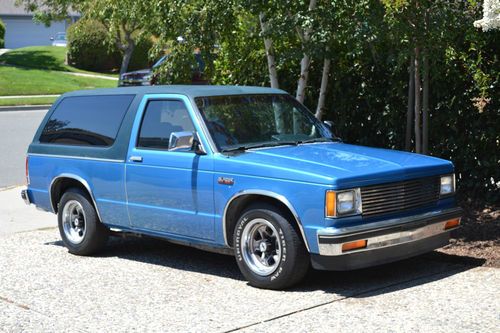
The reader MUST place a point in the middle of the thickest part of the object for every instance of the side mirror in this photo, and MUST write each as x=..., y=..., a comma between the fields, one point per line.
x=185, y=141
x=51, y=38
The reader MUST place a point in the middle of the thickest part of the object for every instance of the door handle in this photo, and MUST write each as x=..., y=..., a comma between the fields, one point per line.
x=137, y=159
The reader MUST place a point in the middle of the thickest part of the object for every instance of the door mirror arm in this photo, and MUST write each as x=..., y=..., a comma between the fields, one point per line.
x=198, y=146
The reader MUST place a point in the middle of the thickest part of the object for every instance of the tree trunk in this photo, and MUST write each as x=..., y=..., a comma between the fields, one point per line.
x=418, y=139
x=304, y=75
x=322, y=90
x=268, y=44
x=425, y=105
x=411, y=104
x=126, y=44
x=306, y=60
x=127, y=55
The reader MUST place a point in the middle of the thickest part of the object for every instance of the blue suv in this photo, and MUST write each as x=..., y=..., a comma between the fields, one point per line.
x=247, y=171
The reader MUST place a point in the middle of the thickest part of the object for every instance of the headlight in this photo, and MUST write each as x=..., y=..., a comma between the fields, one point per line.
x=447, y=184
x=343, y=203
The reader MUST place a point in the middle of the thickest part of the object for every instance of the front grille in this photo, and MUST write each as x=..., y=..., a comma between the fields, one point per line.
x=392, y=197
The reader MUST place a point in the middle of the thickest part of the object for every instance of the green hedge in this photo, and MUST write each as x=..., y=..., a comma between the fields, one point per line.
x=90, y=48
x=2, y=34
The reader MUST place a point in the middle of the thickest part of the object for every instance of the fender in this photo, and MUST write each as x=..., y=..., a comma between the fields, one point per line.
x=78, y=179
x=265, y=193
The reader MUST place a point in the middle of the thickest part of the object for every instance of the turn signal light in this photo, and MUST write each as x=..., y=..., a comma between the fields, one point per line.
x=452, y=224
x=356, y=245
x=331, y=204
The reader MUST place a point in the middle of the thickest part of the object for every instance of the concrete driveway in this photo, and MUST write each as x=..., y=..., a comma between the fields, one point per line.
x=147, y=285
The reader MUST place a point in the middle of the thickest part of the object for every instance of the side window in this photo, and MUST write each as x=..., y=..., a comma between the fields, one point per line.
x=86, y=120
x=160, y=119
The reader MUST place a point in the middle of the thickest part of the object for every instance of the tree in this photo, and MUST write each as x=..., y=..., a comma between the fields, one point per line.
x=124, y=19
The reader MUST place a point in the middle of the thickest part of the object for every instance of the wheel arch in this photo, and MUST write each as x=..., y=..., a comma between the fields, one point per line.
x=242, y=199
x=62, y=182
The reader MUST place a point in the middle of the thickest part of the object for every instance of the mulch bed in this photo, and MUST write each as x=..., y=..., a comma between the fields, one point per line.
x=478, y=238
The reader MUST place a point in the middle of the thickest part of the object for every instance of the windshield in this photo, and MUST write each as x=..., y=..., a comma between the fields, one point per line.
x=60, y=37
x=160, y=61
x=242, y=122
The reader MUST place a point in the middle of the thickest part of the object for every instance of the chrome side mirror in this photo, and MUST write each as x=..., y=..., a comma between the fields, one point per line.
x=52, y=38
x=180, y=141
x=185, y=141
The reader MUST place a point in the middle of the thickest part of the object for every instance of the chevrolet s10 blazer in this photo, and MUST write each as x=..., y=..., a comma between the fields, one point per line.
x=241, y=170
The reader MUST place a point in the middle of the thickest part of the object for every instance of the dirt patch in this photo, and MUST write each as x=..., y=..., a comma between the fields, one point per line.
x=479, y=236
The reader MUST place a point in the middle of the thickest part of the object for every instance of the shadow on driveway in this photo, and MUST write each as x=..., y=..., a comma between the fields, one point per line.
x=361, y=283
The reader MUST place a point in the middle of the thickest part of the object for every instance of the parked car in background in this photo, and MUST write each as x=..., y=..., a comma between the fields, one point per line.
x=145, y=77
x=247, y=171
x=59, y=39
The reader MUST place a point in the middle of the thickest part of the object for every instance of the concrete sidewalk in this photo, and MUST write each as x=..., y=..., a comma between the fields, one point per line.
x=27, y=96
x=16, y=216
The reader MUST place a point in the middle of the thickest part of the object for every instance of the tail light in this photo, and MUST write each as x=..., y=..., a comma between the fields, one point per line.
x=27, y=172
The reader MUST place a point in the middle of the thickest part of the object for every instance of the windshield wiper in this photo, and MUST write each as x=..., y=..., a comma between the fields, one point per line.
x=260, y=145
x=323, y=139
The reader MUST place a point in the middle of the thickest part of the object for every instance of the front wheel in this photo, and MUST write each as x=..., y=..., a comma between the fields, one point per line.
x=268, y=250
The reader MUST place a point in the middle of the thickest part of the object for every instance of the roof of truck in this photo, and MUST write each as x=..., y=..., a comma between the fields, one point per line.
x=188, y=90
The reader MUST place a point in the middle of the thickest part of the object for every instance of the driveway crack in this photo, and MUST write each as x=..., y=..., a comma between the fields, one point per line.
x=20, y=305
x=365, y=292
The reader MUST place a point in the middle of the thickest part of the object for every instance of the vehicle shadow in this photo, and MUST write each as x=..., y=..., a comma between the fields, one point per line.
x=359, y=283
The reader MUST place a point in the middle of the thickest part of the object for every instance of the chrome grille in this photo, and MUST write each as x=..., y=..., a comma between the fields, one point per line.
x=392, y=197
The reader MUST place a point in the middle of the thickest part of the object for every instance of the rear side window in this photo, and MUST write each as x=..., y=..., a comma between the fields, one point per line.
x=86, y=120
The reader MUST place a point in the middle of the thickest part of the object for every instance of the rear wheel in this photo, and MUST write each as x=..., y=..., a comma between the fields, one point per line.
x=81, y=231
x=269, y=251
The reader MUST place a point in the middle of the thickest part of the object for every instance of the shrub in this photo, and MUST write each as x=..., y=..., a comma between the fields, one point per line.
x=89, y=47
x=2, y=34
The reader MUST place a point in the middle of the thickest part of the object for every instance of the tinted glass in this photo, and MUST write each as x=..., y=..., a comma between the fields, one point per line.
x=86, y=120
x=250, y=120
x=160, y=120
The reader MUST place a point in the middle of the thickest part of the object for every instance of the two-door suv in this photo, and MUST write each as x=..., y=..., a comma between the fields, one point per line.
x=241, y=170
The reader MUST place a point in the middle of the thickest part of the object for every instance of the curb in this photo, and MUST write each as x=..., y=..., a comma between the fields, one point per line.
x=25, y=108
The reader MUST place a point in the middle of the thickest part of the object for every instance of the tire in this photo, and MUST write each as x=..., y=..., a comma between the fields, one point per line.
x=282, y=261
x=81, y=231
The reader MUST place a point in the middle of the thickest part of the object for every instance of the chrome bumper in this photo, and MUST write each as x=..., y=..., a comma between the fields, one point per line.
x=386, y=233
x=25, y=196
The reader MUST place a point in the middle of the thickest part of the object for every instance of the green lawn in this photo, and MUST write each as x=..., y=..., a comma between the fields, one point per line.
x=41, y=57
x=27, y=101
x=20, y=81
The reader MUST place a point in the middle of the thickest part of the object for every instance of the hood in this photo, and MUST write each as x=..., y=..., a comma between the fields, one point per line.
x=337, y=164
x=140, y=72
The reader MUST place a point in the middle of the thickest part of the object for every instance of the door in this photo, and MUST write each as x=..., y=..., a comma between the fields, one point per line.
x=168, y=191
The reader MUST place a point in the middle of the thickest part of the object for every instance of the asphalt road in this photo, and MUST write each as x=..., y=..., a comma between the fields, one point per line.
x=17, y=129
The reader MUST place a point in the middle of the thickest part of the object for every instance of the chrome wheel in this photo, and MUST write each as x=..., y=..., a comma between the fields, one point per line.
x=260, y=246
x=73, y=221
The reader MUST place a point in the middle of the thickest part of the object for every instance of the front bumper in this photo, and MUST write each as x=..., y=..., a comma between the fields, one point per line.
x=386, y=241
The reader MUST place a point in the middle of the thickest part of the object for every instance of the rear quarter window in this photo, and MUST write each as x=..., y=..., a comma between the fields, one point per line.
x=86, y=120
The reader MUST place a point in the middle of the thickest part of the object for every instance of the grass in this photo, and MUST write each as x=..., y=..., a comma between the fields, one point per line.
x=42, y=57
x=27, y=101
x=22, y=81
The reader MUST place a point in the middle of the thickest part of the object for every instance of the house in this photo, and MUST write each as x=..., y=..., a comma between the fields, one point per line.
x=22, y=31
